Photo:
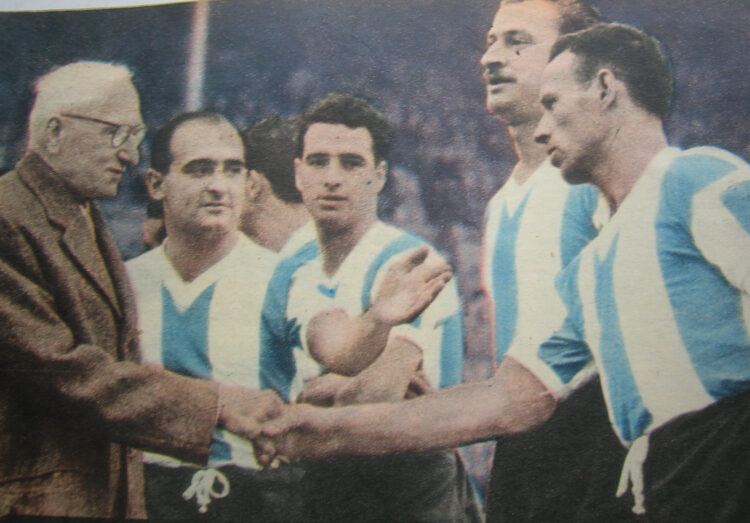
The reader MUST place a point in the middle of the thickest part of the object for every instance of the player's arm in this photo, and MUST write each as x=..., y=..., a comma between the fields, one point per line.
x=387, y=379
x=514, y=400
x=347, y=345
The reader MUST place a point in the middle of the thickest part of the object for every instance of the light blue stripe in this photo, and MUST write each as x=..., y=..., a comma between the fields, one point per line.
x=707, y=308
x=184, y=336
x=565, y=351
x=279, y=336
x=577, y=228
x=504, y=282
x=452, y=351
x=737, y=201
x=631, y=418
x=404, y=242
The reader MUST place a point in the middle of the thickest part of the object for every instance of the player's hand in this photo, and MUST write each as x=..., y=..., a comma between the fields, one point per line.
x=410, y=284
x=322, y=390
x=419, y=385
x=242, y=410
x=301, y=431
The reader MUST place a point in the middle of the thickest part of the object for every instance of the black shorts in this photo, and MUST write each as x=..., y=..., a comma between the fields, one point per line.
x=430, y=486
x=565, y=470
x=268, y=495
x=698, y=465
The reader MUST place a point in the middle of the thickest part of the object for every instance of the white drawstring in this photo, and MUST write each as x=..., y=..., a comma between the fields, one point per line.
x=202, y=487
x=631, y=477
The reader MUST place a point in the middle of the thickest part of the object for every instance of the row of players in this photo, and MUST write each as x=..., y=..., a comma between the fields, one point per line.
x=652, y=264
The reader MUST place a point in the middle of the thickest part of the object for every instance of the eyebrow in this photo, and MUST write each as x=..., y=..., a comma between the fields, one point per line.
x=517, y=33
x=317, y=156
x=234, y=163
x=352, y=156
x=198, y=164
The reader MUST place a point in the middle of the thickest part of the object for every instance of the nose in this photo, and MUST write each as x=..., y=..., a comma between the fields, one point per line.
x=217, y=183
x=332, y=178
x=542, y=131
x=128, y=153
x=493, y=57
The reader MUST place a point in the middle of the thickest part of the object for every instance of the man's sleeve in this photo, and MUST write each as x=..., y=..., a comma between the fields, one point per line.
x=81, y=383
x=720, y=222
x=563, y=362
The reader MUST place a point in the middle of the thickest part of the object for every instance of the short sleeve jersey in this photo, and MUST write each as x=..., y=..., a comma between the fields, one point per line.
x=659, y=300
x=300, y=289
x=532, y=231
x=207, y=328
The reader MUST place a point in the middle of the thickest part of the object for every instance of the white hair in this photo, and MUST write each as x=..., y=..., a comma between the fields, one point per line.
x=71, y=88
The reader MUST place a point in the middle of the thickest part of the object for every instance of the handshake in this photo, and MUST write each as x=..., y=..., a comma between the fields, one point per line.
x=279, y=432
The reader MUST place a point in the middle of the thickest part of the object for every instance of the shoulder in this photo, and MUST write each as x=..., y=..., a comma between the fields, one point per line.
x=146, y=270
x=692, y=172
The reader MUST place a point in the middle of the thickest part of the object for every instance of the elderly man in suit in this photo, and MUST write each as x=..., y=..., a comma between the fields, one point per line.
x=74, y=399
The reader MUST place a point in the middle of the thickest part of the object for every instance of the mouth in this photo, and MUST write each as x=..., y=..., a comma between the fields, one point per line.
x=555, y=156
x=495, y=82
x=216, y=207
x=331, y=201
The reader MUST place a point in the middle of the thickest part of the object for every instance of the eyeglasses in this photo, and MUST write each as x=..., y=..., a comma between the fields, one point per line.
x=121, y=132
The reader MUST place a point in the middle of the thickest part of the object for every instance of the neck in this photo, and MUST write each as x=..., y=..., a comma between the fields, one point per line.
x=629, y=150
x=530, y=153
x=272, y=222
x=191, y=255
x=335, y=245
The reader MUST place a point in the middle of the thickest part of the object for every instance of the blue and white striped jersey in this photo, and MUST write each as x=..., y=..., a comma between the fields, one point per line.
x=532, y=231
x=300, y=289
x=660, y=298
x=207, y=328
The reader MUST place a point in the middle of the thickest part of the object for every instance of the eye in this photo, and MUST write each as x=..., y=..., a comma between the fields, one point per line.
x=317, y=160
x=352, y=162
x=234, y=169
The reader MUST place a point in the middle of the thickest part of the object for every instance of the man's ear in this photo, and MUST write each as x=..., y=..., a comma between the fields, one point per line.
x=253, y=186
x=381, y=172
x=52, y=133
x=606, y=85
x=297, y=166
x=155, y=184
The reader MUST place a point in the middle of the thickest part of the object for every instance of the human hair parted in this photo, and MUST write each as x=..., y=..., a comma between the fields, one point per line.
x=633, y=56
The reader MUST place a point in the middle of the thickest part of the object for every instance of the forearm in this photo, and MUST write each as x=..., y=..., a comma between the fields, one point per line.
x=346, y=345
x=513, y=401
x=387, y=379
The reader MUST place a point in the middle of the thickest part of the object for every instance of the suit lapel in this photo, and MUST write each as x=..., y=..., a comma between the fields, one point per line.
x=77, y=238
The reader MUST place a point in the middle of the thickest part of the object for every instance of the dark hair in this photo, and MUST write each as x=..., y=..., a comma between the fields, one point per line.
x=270, y=146
x=161, y=153
x=633, y=56
x=575, y=15
x=353, y=112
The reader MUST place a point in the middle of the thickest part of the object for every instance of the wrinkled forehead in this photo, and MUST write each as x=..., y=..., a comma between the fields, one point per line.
x=533, y=16
x=114, y=101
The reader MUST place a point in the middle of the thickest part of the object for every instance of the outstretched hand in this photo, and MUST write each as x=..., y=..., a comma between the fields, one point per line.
x=243, y=410
x=297, y=433
x=410, y=284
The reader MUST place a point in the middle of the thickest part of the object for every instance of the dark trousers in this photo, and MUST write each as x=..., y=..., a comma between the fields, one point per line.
x=432, y=486
x=269, y=495
x=565, y=470
x=698, y=466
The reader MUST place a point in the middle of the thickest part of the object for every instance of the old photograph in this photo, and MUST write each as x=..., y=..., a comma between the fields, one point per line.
x=412, y=260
